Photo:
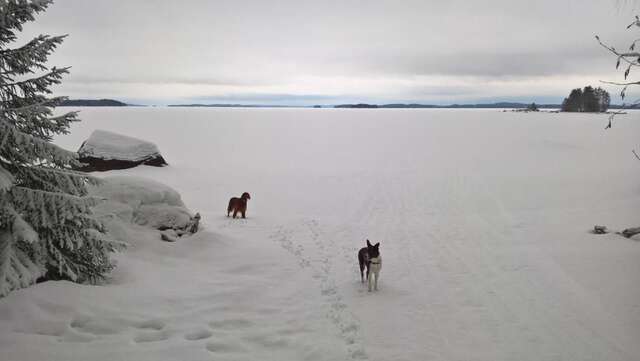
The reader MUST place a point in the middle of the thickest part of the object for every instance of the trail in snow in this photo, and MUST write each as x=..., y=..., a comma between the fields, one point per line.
x=319, y=258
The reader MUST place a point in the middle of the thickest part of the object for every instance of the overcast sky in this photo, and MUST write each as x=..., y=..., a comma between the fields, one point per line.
x=328, y=52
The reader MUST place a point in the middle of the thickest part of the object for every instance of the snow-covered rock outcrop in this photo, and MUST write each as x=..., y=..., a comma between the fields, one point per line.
x=141, y=201
x=107, y=150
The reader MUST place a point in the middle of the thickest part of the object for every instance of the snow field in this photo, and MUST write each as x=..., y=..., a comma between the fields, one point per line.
x=483, y=220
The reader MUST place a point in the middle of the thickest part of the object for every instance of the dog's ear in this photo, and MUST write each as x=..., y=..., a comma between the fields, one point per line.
x=377, y=245
x=369, y=244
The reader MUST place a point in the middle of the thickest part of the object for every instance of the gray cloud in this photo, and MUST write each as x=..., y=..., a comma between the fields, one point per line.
x=499, y=63
x=167, y=51
x=167, y=79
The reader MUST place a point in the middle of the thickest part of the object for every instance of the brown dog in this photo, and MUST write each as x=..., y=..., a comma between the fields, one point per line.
x=238, y=205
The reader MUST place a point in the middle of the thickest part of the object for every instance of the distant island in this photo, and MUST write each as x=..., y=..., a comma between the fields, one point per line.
x=92, y=103
x=452, y=106
x=588, y=100
x=360, y=105
x=234, y=106
x=467, y=106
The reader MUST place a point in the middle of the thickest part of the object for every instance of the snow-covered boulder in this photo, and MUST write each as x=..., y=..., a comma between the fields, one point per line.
x=106, y=150
x=141, y=201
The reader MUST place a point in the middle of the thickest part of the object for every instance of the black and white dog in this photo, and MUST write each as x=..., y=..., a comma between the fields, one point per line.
x=369, y=257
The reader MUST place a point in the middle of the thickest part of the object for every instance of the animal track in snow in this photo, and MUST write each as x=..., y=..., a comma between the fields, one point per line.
x=151, y=336
x=75, y=336
x=230, y=324
x=320, y=263
x=98, y=327
x=84, y=328
x=224, y=347
x=197, y=335
x=151, y=324
x=268, y=340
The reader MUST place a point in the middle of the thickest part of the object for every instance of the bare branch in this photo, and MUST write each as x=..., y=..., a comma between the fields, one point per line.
x=621, y=56
x=617, y=83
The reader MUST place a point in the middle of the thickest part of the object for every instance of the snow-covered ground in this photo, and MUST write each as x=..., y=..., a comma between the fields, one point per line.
x=483, y=219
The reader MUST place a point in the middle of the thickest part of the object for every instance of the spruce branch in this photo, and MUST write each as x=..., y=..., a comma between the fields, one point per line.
x=29, y=57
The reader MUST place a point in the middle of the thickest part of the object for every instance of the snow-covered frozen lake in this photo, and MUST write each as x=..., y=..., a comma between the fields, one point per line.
x=483, y=218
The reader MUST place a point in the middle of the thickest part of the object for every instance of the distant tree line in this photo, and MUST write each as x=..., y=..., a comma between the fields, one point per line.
x=91, y=103
x=587, y=100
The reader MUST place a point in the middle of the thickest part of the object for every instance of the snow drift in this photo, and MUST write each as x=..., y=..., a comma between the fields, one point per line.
x=140, y=201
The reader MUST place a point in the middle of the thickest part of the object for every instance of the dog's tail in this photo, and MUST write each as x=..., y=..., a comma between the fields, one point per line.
x=230, y=206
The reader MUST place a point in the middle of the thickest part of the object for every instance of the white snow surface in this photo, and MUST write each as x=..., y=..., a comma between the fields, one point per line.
x=108, y=145
x=483, y=219
x=141, y=201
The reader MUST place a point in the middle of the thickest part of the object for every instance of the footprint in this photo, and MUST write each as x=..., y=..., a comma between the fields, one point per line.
x=328, y=291
x=224, y=347
x=197, y=335
x=71, y=335
x=79, y=321
x=268, y=340
x=292, y=331
x=151, y=336
x=358, y=353
x=44, y=328
x=350, y=328
x=230, y=324
x=150, y=324
x=93, y=326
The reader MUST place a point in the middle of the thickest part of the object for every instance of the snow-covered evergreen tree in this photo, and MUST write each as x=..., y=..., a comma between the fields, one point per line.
x=46, y=225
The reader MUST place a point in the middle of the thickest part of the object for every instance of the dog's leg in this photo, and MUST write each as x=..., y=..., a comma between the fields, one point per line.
x=368, y=270
x=235, y=213
x=243, y=214
x=369, y=279
x=375, y=285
